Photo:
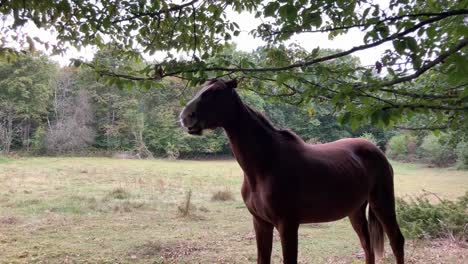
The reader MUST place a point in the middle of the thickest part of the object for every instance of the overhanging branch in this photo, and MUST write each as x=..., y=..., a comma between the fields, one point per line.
x=158, y=13
x=320, y=59
x=365, y=25
x=441, y=127
x=427, y=66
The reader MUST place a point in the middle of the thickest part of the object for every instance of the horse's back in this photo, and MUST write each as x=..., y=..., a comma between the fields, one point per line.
x=357, y=147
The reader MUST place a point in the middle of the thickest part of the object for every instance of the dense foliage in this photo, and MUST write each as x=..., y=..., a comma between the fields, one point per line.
x=438, y=149
x=25, y=94
x=419, y=80
x=421, y=218
x=402, y=146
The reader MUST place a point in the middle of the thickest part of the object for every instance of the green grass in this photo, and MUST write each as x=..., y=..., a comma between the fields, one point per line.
x=56, y=210
x=4, y=159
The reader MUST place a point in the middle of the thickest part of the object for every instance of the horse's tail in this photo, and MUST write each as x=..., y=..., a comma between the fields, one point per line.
x=376, y=234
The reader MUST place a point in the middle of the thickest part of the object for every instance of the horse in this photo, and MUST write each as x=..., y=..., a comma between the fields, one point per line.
x=288, y=182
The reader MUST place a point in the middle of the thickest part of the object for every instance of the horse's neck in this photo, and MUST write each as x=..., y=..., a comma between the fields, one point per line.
x=251, y=142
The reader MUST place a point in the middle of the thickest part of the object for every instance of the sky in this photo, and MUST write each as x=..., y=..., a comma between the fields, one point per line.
x=244, y=42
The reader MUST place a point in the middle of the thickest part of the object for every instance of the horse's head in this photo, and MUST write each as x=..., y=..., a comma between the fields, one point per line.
x=210, y=107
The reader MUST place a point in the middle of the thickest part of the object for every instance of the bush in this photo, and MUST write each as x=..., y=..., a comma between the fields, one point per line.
x=118, y=194
x=37, y=140
x=437, y=149
x=402, y=146
x=419, y=218
x=172, y=151
x=462, y=155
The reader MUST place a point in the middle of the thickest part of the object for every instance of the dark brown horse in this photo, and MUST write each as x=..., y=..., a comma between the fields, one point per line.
x=288, y=182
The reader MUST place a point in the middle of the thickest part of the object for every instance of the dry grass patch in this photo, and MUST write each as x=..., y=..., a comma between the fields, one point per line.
x=117, y=193
x=168, y=251
x=9, y=220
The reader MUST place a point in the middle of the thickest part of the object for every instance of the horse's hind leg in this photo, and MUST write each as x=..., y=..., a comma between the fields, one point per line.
x=359, y=223
x=383, y=206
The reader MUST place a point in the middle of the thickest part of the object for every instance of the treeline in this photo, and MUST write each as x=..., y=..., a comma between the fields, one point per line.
x=45, y=109
x=48, y=110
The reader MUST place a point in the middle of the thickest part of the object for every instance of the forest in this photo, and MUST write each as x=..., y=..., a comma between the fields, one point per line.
x=51, y=110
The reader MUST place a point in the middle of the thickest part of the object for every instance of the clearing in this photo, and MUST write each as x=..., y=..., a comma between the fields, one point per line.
x=100, y=210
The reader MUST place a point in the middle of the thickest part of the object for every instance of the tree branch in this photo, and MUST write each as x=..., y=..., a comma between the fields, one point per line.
x=448, y=13
x=321, y=59
x=427, y=66
x=425, y=106
x=418, y=95
x=195, y=40
x=158, y=13
x=423, y=127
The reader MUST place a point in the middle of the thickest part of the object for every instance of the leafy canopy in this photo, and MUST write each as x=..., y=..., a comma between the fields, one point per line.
x=428, y=42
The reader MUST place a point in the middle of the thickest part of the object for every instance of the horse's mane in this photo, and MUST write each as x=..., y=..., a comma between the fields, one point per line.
x=266, y=123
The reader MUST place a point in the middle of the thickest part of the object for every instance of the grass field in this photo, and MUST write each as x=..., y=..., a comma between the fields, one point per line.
x=99, y=210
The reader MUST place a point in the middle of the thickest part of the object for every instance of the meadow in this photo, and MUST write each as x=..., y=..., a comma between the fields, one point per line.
x=102, y=210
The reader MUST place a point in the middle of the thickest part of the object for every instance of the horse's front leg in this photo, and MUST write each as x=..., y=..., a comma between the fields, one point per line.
x=264, y=237
x=288, y=233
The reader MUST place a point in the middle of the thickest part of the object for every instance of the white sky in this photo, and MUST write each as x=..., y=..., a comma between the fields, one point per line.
x=244, y=42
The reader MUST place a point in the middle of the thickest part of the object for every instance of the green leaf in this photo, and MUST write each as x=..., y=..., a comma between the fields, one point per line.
x=399, y=46
x=271, y=8
x=314, y=19
x=376, y=10
x=84, y=28
x=344, y=119
x=288, y=12
x=315, y=52
x=366, y=12
x=282, y=77
x=411, y=44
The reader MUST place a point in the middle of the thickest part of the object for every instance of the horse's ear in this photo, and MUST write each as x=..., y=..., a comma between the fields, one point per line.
x=231, y=83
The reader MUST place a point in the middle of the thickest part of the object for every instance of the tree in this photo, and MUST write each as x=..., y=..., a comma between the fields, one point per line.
x=426, y=36
x=25, y=90
x=426, y=39
x=73, y=131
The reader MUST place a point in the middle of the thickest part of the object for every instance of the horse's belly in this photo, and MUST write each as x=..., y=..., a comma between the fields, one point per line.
x=318, y=208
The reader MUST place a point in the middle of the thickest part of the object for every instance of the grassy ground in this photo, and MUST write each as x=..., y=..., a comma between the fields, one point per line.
x=98, y=210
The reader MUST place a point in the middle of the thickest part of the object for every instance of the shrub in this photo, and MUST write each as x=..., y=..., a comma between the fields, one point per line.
x=402, y=146
x=419, y=218
x=225, y=195
x=172, y=151
x=462, y=155
x=37, y=140
x=118, y=194
x=437, y=150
